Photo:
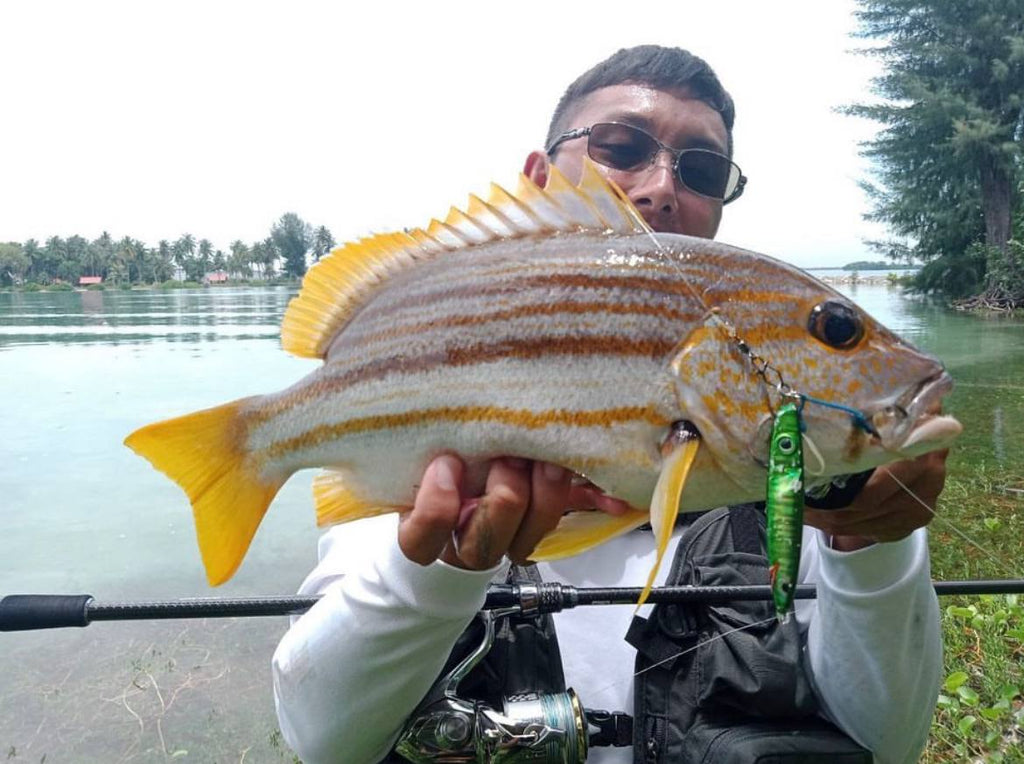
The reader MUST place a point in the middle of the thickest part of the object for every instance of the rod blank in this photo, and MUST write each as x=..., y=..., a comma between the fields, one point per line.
x=29, y=612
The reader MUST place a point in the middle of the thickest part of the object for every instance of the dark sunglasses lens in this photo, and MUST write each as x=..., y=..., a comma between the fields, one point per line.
x=708, y=173
x=620, y=147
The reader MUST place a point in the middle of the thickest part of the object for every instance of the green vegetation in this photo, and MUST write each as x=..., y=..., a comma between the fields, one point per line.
x=868, y=265
x=291, y=237
x=977, y=535
x=948, y=160
x=980, y=715
x=185, y=262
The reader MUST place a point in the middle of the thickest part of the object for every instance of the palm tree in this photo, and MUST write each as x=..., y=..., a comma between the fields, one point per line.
x=239, y=263
x=205, y=256
x=183, y=250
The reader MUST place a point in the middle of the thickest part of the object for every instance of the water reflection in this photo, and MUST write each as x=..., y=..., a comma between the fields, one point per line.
x=139, y=316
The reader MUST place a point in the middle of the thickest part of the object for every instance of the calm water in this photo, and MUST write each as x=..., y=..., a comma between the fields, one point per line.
x=81, y=514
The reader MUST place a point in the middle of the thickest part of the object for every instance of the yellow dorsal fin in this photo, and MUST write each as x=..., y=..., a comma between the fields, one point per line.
x=336, y=504
x=579, y=531
x=665, y=502
x=340, y=283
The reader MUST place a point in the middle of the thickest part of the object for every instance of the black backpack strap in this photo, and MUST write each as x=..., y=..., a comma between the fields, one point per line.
x=527, y=648
x=744, y=521
x=524, y=658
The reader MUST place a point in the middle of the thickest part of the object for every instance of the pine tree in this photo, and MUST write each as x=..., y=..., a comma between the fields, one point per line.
x=948, y=160
x=323, y=242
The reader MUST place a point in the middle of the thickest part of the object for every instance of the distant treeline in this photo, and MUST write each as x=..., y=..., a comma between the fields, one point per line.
x=129, y=261
x=873, y=265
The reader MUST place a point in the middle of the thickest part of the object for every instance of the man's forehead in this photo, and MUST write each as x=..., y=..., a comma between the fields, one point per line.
x=676, y=110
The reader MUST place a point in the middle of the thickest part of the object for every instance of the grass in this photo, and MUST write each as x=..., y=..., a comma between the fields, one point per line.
x=980, y=715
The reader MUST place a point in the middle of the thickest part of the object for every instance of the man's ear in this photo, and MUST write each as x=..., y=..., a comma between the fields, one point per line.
x=536, y=168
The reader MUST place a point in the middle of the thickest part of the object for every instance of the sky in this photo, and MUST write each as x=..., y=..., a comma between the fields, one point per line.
x=215, y=118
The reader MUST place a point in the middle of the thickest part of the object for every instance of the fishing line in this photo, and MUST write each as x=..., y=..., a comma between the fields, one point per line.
x=817, y=455
x=762, y=367
x=701, y=644
x=681, y=653
x=1019, y=388
x=950, y=525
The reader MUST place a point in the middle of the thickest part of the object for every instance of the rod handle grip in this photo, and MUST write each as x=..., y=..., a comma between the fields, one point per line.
x=24, y=612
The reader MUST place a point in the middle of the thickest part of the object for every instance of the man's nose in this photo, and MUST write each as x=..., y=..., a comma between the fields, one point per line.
x=655, y=188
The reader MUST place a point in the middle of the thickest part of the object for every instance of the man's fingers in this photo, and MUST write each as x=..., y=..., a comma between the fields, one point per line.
x=898, y=499
x=924, y=476
x=549, y=496
x=486, y=535
x=589, y=496
x=426, y=529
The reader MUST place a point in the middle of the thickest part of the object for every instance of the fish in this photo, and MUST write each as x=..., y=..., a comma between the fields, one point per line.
x=550, y=324
x=784, y=506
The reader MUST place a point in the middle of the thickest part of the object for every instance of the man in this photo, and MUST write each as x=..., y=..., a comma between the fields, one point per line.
x=350, y=671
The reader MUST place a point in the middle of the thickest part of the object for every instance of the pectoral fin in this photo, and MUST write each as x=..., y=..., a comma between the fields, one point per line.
x=679, y=451
x=579, y=531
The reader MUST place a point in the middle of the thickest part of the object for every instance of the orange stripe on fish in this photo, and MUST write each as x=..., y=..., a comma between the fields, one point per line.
x=526, y=350
x=524, y=418
x=568, y=308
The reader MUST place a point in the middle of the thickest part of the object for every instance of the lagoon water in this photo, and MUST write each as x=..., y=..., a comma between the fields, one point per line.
x=80, y=513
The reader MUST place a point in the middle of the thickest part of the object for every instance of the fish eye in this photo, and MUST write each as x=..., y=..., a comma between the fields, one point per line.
x=785, y=444
x=836, y=324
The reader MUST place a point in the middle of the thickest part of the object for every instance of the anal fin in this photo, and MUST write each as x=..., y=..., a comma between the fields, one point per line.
x=335, y=503
x=582, y=530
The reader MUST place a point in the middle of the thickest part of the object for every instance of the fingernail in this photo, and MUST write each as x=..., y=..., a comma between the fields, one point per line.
x=444, y=475
x=553, y=472
x=516, y=463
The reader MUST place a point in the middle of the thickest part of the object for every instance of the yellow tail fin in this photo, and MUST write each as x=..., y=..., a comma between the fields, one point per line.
x=204, y=453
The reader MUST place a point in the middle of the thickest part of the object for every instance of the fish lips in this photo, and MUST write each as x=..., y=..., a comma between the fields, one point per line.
x=913, y=425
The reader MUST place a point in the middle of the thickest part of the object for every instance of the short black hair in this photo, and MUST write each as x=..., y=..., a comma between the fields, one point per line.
x=654, y=66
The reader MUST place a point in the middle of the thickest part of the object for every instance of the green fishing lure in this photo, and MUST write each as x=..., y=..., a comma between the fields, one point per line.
x=785, y=505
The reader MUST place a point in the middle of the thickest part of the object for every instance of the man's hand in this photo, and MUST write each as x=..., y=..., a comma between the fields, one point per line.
x=883, y=511
x=522, y=502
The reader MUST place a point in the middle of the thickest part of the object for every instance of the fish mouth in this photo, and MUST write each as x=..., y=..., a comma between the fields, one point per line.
x=914, y=424
x=927, y=396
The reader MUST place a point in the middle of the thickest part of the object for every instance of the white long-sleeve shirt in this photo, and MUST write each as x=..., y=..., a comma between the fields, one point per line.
x=349, y=672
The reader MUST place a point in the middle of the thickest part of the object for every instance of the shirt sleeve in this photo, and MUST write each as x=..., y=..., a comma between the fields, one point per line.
x=349, y=671
x=874, y=644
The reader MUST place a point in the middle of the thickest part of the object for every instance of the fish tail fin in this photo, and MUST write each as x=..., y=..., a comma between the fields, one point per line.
x=335, y=503
x=205, y=453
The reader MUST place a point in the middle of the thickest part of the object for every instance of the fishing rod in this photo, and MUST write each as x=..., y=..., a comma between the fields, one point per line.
x=29, y=612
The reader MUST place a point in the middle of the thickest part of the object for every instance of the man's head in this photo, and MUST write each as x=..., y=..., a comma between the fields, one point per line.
x=668, y=69
x=676, y=99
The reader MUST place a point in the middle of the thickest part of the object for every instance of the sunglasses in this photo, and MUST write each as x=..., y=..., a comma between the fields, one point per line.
x=627, y=148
